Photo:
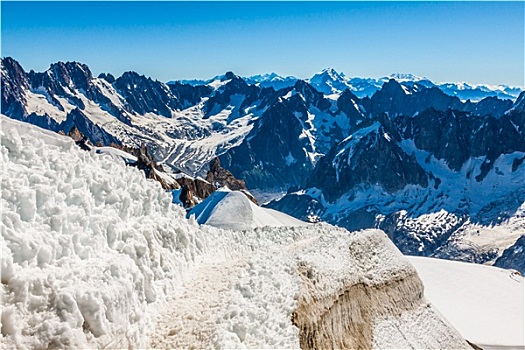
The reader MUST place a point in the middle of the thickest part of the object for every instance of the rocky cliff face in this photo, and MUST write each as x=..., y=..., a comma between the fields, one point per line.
x=144, y=95
x=14, y=82
x=455, y=136
x=267, y=159
x=220, y=177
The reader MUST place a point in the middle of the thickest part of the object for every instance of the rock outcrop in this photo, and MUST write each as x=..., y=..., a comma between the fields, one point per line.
x=220, y=177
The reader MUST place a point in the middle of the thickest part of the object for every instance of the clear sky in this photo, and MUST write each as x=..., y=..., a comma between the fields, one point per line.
x=476, y=42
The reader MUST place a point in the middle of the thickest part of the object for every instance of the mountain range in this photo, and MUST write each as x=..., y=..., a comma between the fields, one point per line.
x=439, y=167
x=329, y=81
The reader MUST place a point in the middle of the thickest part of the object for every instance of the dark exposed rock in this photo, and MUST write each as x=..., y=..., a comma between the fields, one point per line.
x=14, y=81
x=75, y=134
x=144, y=95
x=80, y=139
x=223, y=96
x=311, y=95
x=519, y=105
x=107, y=77
x=60, y=79
x=267, y=158
x=371, y=156
x=348, y=103
x=457, y=136
x=194, y=191
x=189, y=95
x=513, y=257
x=516, y=163
x=489, y=106
x=220, y=177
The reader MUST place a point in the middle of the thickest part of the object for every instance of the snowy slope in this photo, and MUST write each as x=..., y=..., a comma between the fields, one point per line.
x=485, y=304
x=128, y=158
x=96, y=256
x=233, y=210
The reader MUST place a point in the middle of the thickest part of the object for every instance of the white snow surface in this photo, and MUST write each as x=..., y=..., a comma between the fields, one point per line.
x=484, y=303
x=128, y=158
x=233, y=210
x=96, y=256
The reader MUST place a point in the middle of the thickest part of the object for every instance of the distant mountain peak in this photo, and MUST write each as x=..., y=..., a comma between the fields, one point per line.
x=331, y=73
x=406, y=77
x=229, y=75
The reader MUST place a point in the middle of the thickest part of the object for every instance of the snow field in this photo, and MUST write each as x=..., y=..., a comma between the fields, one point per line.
x=484, y=303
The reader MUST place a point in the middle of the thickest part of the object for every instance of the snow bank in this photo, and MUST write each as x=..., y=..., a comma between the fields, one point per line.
x=484, y=303
x=87, y=243
x=233, y=210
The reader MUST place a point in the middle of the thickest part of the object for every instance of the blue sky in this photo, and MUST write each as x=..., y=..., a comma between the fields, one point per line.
x=477, y=42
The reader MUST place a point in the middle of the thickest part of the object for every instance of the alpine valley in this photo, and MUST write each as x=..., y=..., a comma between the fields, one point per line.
x=439, y=167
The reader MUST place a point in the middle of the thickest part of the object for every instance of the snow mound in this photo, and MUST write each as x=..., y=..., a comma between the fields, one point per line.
x=484, y=303
x=233, y=210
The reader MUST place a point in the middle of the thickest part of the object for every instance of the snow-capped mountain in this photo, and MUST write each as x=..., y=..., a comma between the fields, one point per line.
x=351, y=160
x=329, y=81
x=272, y=80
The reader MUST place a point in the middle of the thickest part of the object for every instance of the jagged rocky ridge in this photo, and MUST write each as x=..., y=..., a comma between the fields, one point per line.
x=385, y=158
